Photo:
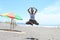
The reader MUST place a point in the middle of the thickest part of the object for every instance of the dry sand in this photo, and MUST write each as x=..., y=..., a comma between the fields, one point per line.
x=40, y=33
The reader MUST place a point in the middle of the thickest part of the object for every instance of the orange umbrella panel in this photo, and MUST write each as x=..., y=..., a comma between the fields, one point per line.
x=11, y=15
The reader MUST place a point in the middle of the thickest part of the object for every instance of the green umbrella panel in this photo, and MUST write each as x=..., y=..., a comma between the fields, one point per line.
x=18, y=17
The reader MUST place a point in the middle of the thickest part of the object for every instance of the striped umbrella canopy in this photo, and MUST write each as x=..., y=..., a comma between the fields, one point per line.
x=12, y=16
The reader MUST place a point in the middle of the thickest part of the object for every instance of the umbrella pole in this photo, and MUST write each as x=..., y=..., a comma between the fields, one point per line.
x=12, y=25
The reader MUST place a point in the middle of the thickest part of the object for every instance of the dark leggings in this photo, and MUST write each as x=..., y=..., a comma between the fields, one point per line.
x=32, y=22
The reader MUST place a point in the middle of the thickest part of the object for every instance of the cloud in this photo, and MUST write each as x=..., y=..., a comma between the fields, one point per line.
x=49, y=15
x=52, y=9
x=50, y=18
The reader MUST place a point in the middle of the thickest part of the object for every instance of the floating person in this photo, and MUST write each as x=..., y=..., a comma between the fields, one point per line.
x=32, y=11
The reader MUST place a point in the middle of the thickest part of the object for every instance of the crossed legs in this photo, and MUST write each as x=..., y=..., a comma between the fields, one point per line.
x=31, y=22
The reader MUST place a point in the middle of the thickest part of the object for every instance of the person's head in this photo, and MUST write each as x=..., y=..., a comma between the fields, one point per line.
x=32, y=10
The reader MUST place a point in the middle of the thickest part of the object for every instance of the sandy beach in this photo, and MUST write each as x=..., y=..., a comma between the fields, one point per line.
x=41, y=33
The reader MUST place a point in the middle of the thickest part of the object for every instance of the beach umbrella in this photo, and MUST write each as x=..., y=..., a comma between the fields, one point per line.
x=12, y=16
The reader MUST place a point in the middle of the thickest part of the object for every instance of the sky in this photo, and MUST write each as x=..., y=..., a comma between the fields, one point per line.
x=48, y=10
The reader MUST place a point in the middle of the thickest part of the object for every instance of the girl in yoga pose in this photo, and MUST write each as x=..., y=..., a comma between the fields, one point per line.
x=32, y=13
